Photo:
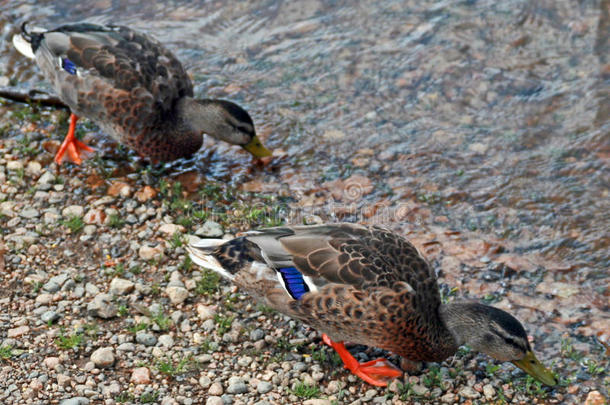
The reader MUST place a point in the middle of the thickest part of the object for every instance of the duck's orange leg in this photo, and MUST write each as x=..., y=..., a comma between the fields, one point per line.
x=376, y=372
x=72, y=145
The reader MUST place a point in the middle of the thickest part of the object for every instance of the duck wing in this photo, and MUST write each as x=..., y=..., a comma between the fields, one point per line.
x=350, y=254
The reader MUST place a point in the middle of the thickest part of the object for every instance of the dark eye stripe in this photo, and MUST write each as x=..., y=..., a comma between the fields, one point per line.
x=509, y=340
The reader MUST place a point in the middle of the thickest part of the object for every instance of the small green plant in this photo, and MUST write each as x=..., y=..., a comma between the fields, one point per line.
x=67, y=342
x=124, y=396
x=123, y=311
x=6, y=352
x=115, y=221
x=155, y=289
x=177, y=240
x=306, y=391
x=491, y=368
x=135, y=270
x=163, y=321
x=116, y=271
x=265, y=309
x=568, y=351
x=74, y=223
x=90, y=329
x=533, y=388
x=24, y=148
x=208, y=345
x=405, y=391
x=149, y=397
x=321, y=354
x=163, y=187
x=185, y=221
x=169, y=368
x=36, y=286
x=138, y=327
x=593, y=367
x=433, y=378
x=223, y=323
x=208, y=284
x=186, y=265
x=202, y=215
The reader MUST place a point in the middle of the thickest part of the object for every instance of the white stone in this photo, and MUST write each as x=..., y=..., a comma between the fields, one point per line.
x=103, y=357
x=120, y=286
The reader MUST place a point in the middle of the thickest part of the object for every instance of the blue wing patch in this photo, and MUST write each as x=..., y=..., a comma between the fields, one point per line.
x=293, y=280
x=68, y=66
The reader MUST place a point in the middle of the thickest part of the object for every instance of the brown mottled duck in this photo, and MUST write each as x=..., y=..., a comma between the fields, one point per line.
x=134, y=89
x=364, y=285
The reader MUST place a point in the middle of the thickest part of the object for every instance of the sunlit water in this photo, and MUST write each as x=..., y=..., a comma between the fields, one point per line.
x=494, y=112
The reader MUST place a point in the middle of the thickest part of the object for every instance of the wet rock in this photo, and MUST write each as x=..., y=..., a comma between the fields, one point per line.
x=33, y=169
x=146, y=338
x=264, y=387
x=94, y=216
x=119, y=188
x=14, y=165
x=47, y=178
x=29, y=213
x=469, y=392
x=595, y=398
x=51, y=362
x=54, y=284
x=149, y=253
x=63, y=380
x=257, y=334
x=120, y=286
x=18, y=331
x=334, y=135
x=75, y=401
x=237, y=388
x=166, y=341
x=319, y=401
x=214, y=400
x=176, y=294
x=170, y=229
x=210, y=229
x=103, y=357
x=145, y=194
x=140, y=375
x=489, y=391
x=449, y=398
x=205, y=312
x=49, y=316
x=215, y=389
x=244, y=361
x=126, y=347
x=73, y=211
x=102, y=307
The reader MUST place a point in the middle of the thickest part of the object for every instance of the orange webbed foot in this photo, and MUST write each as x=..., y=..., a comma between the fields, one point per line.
x=375, y=372
x=72, y=146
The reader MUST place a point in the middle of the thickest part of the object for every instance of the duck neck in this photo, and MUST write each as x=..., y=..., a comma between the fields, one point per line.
x=201, y=116
x=460, y=320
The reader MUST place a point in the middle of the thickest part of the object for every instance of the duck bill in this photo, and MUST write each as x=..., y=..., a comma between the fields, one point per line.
x=256, y=148
x=531, y=365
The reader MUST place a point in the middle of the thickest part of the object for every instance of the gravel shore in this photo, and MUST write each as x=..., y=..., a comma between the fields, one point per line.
x=99, y=303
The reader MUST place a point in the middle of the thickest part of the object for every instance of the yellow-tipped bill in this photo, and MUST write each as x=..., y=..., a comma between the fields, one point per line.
x=531, y=365
x=256, y=148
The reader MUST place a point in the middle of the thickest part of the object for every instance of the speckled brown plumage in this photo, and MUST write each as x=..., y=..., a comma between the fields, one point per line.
x=373, y=286
x=135, y=89
x=364, y=285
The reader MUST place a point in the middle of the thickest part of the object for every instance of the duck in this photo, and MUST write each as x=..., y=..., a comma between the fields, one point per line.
x=365, y=285
x=135, y=89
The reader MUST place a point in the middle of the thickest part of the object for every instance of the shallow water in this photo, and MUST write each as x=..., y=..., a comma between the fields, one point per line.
x=494, y=115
